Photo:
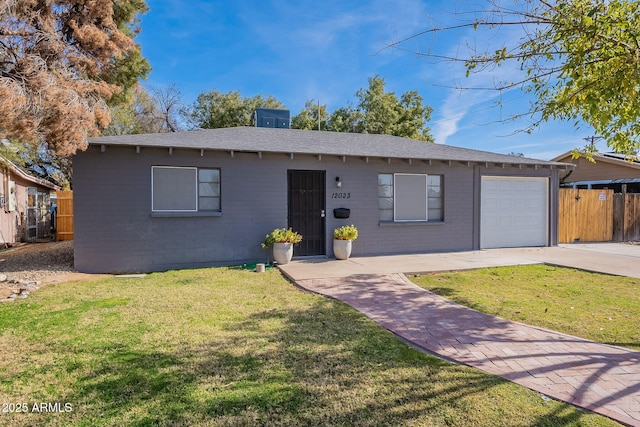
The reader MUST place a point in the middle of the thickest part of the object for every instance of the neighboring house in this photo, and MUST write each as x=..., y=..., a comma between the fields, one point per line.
x=610, y=170
x=208, y=197
x=25, y=206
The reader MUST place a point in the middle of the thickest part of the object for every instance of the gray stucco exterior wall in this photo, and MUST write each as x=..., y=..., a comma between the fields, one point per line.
x=115, y=230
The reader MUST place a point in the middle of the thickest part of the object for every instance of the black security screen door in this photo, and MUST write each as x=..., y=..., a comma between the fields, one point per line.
x=307, y=210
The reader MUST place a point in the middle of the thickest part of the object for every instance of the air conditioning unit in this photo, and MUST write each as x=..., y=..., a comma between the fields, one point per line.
x=272, y=118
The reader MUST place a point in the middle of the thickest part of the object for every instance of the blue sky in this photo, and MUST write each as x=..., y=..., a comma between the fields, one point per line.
x=326, y=50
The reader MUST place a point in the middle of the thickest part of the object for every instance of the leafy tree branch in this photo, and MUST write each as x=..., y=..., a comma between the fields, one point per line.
x=580, y=60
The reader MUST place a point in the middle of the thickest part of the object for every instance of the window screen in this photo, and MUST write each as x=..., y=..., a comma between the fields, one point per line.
x=174, y=189
x=410, y=194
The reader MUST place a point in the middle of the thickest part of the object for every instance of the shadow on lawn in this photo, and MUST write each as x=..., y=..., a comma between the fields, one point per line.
x=326, y=365
x=454, y=295
x=493, y=344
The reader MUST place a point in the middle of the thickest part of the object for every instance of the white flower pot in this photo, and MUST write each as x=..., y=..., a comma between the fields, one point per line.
x=282, y=252
x=342, y=249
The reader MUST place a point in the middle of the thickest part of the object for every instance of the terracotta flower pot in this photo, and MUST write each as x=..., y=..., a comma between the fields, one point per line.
x=282, y=252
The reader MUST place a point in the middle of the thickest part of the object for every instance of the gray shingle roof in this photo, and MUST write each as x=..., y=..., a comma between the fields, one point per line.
x=272, y=140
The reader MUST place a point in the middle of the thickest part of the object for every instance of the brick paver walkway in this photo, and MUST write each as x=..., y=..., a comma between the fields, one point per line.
x=599, y=377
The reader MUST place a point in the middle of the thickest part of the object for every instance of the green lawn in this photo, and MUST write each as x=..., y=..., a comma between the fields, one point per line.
x=231, y=347
x=595, y=306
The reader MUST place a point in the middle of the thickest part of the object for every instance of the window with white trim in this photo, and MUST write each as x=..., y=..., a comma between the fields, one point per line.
x=185, y=189
x=404, y=197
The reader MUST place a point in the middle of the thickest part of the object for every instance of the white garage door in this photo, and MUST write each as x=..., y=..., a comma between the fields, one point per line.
x=514, y=212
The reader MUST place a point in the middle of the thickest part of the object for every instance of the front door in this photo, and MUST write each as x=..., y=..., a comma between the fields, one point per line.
x=307, y=210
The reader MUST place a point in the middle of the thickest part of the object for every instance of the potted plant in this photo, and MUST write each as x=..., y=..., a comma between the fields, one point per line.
x=342, y=238
x=282, y=240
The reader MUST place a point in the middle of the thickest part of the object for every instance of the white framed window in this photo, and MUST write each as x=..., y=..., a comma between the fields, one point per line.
x=184, y=189
x=405, y=197
x=435, y=205
x=209, y=189
x=385, y=196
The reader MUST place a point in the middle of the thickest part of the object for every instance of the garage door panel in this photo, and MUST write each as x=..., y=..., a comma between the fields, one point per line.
x=514, y=212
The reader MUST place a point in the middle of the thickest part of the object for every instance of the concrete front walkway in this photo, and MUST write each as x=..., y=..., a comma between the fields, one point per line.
x=598, y=377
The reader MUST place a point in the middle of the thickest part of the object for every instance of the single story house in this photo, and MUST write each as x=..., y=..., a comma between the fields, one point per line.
x=208, y=197
x=610, y=170
x=25, y=206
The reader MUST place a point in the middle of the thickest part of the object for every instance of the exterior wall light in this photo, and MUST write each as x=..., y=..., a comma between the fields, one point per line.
x=338, y=182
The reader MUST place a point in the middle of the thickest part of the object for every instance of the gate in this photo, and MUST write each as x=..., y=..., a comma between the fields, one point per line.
x=64, y=215
x=585, y=215
x=37, y=226
x=626, y=217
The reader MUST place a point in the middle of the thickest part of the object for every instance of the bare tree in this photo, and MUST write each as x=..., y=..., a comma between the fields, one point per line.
x=168, y=102
x=151, y=110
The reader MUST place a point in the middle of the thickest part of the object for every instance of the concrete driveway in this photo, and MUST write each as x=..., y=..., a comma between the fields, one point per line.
x=611, y=258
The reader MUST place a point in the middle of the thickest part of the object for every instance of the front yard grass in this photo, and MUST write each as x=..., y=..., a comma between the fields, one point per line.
x=230, y=347
x=598, y=307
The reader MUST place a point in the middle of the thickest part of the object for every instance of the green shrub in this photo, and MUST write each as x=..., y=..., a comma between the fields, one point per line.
x=281, y=235
x=346, y=232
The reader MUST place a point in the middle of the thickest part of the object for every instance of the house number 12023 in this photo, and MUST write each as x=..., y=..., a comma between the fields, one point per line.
x=340, y=195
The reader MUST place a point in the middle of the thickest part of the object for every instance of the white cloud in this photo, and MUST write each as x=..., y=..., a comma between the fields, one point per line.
x=451, y=112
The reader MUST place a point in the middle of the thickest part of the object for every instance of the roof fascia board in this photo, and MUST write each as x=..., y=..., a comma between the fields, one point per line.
x=605, y=181
x=600, y=157
x=618, y=162
x=387, y=159
x=236, y=148
x=16, y=170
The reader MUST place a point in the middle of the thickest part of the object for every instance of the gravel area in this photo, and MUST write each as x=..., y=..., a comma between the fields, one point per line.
x=34, y=262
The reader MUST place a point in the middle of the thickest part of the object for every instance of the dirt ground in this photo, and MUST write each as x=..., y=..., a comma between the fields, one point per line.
x=35, y=262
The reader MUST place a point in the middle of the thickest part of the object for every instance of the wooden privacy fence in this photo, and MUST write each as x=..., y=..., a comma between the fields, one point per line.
x=585, y=215
x=64, y=216
x=626, y=217
x=597, y=216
